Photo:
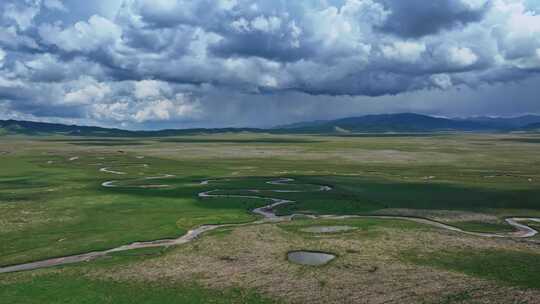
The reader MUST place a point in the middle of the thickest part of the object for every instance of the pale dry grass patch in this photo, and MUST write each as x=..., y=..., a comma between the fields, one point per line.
x=367, y=270
x=442, y=215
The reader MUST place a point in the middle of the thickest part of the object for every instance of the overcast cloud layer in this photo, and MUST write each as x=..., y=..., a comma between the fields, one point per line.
x=181, y=63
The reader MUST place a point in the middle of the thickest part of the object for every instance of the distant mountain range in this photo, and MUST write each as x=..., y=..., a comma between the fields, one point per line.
x=508, y=122
x=383, y=123
x=410, y=122
x=534, y=127
x=12, y=127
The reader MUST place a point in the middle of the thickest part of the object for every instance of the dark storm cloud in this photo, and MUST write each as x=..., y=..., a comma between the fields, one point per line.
x=270, y=46
x=416, y=18
x=162, y=62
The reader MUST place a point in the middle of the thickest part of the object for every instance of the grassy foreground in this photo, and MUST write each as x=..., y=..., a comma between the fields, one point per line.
x=509, y=267
x=63, y=289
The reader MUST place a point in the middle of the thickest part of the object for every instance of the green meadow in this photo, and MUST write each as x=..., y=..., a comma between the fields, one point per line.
x=53, y=203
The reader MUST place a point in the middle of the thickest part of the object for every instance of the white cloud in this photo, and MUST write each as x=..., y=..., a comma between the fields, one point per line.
x=404, y=51
x=92, y=92
x=9, y=36
x=442, y=81
x=22, y=13
x=517, y=30
x=164, y=109
x=150, y=88
x=227, y=4
x=2, y=57
x=54, y=5
x=475, y=4
x=266, y=24
x=462, y=56
x=116, y=111
x=82, y=36
x=296, y=33
x=157, y=110
x=346, y=29
x=10, y=83
x=259, y=23
x=241, y=25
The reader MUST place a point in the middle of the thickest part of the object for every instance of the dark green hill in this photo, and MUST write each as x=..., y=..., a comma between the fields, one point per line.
x=404, y=122
x=409, y=122
x=383, y=123
x=534, y=127
x=13, y=127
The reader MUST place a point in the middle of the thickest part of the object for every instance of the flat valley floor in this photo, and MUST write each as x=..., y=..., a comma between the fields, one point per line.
x=421, y=218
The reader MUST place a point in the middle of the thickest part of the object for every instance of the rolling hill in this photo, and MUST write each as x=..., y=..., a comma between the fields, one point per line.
x=13, y=127
x=383, y=123
x=408, y=122
x=534, y=127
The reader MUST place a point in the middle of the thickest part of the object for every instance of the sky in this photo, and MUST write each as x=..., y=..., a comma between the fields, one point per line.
x=153, y=64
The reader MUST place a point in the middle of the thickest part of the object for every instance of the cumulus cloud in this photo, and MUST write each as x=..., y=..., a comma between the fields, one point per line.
x=171, y=60
x=22, y=12
x=462, y=56
x=165, y=109
x=442, y=81
x=404, y=51
x=90, y=93
x=150, y=89
x=179, y=107
x=83, y=36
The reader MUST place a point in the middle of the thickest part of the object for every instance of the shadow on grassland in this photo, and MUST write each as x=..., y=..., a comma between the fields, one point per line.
x=522, y=140
x=354, y=195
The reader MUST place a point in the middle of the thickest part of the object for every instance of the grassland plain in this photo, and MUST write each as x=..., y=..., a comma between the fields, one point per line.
x=52, y=202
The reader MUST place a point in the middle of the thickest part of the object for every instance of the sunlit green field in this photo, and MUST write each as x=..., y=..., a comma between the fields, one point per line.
x=52, y=202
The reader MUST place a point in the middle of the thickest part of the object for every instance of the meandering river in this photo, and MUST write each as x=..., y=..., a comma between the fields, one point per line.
x=267, y=214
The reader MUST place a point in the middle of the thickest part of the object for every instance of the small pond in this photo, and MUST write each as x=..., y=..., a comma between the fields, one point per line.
x=310, y=258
